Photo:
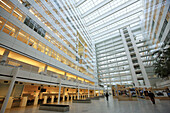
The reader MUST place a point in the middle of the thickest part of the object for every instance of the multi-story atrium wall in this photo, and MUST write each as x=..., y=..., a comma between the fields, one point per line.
x=123, y=33
x=44, y=27
x=156, y=30
x=44, y=44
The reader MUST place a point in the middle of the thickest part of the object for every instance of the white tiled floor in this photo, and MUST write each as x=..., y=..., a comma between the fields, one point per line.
x=102, y=106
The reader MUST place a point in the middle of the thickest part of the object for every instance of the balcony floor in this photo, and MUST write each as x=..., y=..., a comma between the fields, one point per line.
x=102, y=106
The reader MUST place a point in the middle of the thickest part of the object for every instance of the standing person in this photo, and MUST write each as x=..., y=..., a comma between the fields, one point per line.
x=107, y=95
x=152, y=97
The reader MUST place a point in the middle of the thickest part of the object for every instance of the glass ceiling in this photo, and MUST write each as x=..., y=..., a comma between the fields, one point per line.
x=102, y=16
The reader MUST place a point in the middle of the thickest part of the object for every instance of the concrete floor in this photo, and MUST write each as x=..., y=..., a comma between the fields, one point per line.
x=102, y=106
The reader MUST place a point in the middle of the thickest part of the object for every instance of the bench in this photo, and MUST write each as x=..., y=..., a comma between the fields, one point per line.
x=94, y=98
x=54, y=107
x=101, y=96
x=82, y=101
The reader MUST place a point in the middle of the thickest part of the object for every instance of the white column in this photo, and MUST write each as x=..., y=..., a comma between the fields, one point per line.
x=63, y=93
x=84, y=93
x=68, y=97
x=45, y=69
x=88, y=92
x=59, y=92
x=23, y=102
x=129, y=59
x=4, y=57
x=10, y=101
x=94, y=91
x=65, y=74
x=147, y=83
x=104, y=90
x=45, y=100
x=36, y=100
x=78, y=91
x=52, y=98
x=14, y=73
x=111, y=89
x=71, y=97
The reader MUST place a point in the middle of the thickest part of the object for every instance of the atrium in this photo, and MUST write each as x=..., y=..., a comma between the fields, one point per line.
x=66, y=52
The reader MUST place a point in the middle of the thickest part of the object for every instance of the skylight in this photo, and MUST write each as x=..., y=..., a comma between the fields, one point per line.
x=102, y=16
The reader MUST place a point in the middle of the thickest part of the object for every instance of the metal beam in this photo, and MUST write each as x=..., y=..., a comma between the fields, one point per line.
x=79, y=3
x=116, y=20
x=95, y=8
x=112, y=11
x=116, y=28
x=99, y=40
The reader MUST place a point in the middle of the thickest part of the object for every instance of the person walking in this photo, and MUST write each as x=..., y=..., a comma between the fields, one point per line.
x=152, y=97
x=107, y=95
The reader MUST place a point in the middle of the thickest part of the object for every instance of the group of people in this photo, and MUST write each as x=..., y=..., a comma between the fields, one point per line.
x=150, y=94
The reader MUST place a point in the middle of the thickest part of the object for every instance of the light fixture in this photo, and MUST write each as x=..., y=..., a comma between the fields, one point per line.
x=5, y=4
x=18, y=13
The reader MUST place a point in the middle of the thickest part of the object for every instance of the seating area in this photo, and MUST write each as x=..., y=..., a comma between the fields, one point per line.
x=133, y=94
x=94, y=98
x=54, y=107
x=87, y=100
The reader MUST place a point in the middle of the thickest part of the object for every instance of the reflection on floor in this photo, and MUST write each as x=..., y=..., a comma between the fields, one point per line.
x=102, y=106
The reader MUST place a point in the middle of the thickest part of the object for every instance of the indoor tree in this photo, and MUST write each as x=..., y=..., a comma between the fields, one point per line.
x=162, y=63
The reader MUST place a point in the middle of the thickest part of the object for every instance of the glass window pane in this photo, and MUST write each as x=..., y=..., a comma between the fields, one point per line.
x=41, y=47
x=7, y=5
x=11, y=29
x=33, y=42
x=19, y=14
x=23, y=36
x=2, y=22
x=47, y=50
